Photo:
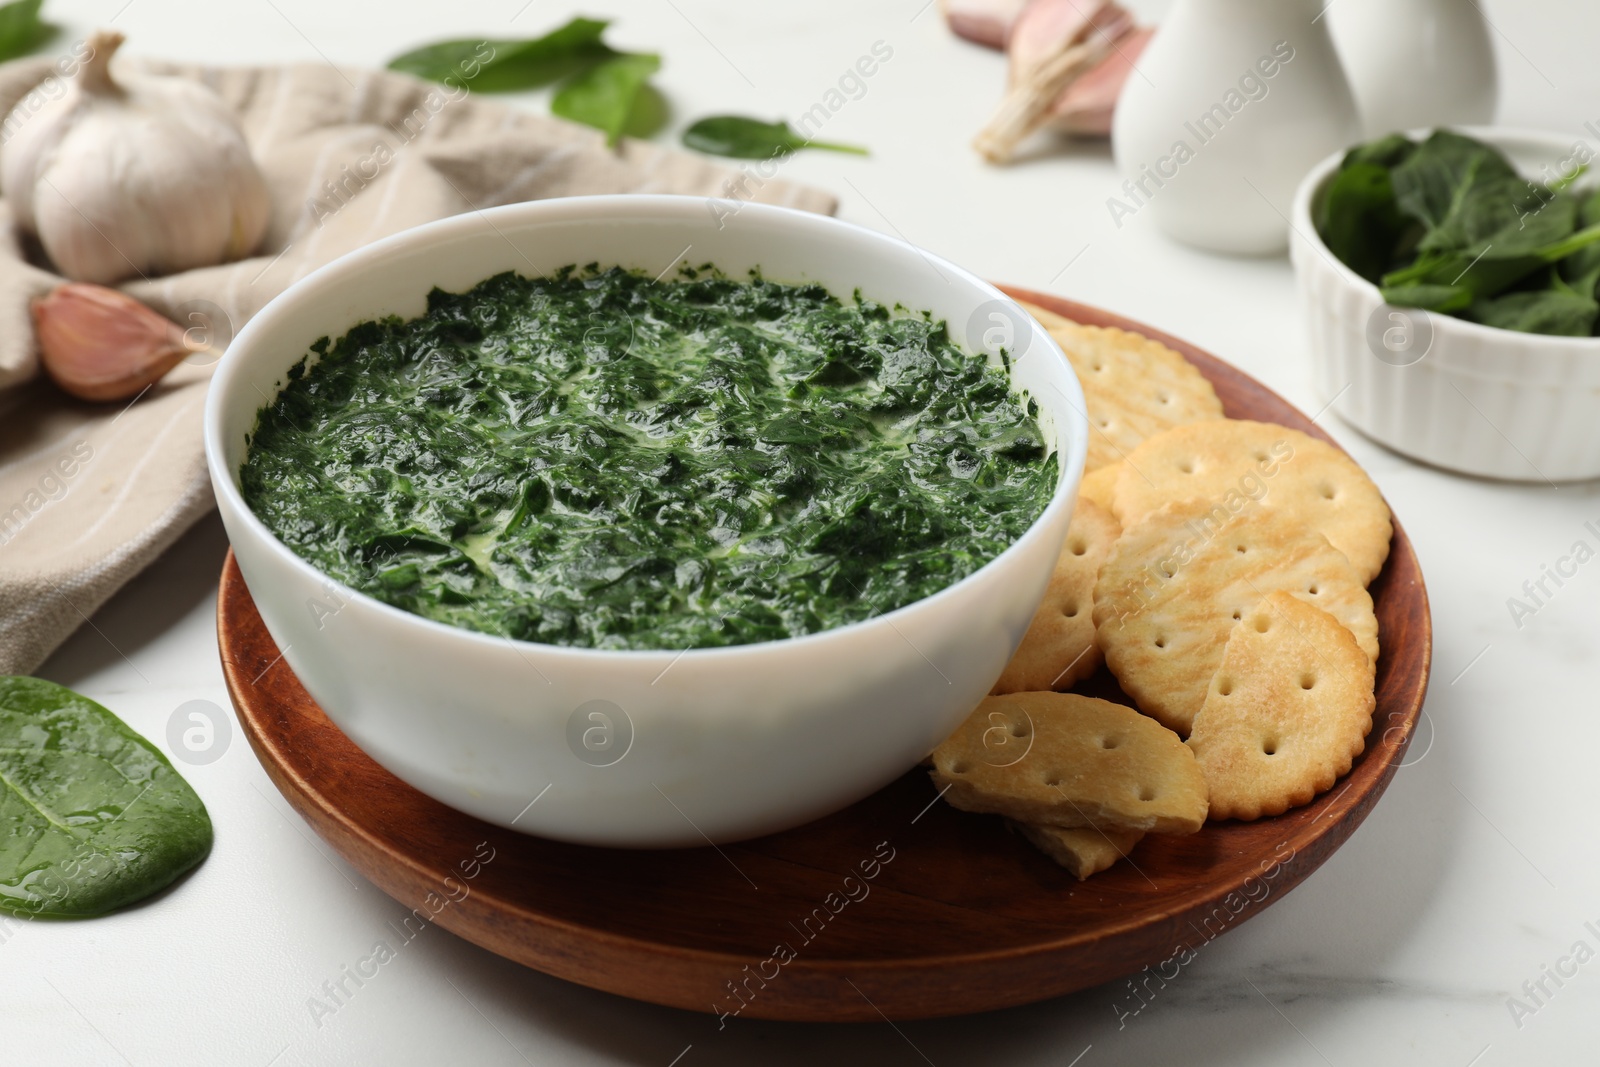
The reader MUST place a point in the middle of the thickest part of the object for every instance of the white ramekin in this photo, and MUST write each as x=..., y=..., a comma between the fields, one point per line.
x=1474, y=399
x=688, y=746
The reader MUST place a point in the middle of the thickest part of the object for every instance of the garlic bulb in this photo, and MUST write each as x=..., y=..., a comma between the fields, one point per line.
x=145, y=176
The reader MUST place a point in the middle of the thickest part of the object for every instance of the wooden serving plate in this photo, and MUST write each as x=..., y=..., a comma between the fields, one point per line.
x=958, y=915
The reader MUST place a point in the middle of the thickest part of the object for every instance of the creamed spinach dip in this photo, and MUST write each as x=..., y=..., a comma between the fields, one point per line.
x=603, y=460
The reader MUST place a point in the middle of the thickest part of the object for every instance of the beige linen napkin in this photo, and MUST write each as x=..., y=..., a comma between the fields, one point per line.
x=90, y=494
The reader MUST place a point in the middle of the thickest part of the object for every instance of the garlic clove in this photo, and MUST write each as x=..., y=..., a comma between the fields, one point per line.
x=100, y=344
x=985, y=22
x=1086, y=107
x=1052, y=44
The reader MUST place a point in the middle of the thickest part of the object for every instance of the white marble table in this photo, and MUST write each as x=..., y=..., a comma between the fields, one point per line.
x=1476, y=873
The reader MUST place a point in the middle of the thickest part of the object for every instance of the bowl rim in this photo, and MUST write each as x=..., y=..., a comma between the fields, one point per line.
x=1535, y=344
x=620, y=208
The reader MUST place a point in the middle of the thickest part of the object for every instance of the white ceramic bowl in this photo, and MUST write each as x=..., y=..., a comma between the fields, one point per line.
x=1446, y=391
x=646, y=748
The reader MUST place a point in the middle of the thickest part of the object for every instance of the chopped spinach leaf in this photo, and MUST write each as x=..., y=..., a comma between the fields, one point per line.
x=605, y=460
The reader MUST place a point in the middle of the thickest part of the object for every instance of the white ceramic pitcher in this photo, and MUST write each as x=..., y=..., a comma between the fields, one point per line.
x=1416, y=63
x=1235, y=100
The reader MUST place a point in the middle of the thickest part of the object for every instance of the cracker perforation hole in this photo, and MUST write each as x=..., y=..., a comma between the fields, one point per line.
x=1262, y=624
x=1328, y=492
x=1269, y=746
x=1052, y=780
x=1147, y=793
x=1161, y=642
x=1308, y=680
x=1070, y=611
x=1241, y=549
x=960, y=767
x=1312, y=589
x=1110, y=742
x=1079, y=548
x=1224, y=686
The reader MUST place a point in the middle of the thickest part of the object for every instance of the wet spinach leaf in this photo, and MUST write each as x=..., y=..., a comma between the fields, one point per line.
x=92, y=816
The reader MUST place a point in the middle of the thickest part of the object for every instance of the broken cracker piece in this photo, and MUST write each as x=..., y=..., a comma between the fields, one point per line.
x=1082, y=851
x=1062, y=759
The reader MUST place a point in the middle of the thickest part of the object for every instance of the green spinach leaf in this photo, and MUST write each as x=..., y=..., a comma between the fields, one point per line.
x=1441, y=298
x=1581, y=270
x=94, y=818
x=1566, y=181
x=21, y=29
x=1432, y=183
x=498, y=66
x=1359, y=220
x=607, y=95
x=1388, y=151
x=1549, y=311
x=746, y=138
x=1491, y=269
x=1511, y=213
x=1450, y=226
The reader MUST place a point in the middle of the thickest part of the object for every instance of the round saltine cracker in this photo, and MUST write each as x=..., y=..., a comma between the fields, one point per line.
x=1047, y=318
x=1100, y=485
x=1175, y=584
x=1287, y=712
x=1059, y=649
x=1134, y=388
x=1235, y=460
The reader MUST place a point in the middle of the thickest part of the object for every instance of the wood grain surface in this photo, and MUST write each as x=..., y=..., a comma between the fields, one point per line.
x=897, y=907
